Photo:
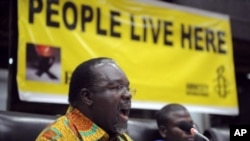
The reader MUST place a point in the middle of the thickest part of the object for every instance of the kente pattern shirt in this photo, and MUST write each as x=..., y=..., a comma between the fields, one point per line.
x=74, y=126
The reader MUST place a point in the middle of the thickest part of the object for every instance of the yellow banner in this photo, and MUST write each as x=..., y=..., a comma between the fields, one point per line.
x=170, y=53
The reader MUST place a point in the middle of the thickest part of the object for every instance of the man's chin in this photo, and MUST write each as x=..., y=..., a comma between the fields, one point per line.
x=121, y=131
x=120, y=128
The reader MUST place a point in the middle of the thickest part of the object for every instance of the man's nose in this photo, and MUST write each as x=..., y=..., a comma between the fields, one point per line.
x=126, y=94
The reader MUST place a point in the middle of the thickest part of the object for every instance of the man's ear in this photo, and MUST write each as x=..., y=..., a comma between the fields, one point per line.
x=163, y=131
x=86, y=96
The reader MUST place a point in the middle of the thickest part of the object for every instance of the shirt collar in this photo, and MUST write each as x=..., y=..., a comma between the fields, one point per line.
x=87, y=129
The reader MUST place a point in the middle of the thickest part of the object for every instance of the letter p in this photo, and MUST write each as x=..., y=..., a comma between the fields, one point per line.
x=34, y=9
x=243, y=131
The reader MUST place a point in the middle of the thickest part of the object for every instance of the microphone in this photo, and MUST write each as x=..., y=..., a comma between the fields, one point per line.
x=187, y=127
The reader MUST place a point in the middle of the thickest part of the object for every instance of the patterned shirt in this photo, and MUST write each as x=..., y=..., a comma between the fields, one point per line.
x=74, y=126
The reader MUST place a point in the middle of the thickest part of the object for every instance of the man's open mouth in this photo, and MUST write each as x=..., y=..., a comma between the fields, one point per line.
x=124, y=113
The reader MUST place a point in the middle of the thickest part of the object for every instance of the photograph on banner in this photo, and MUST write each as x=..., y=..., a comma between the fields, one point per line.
x=43, y=63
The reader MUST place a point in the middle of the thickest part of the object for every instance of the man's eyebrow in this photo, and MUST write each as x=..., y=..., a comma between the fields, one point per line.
x=117, y=82
x=107, y=82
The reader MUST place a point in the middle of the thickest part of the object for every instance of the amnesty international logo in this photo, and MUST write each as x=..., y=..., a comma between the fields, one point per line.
x=221, y=86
